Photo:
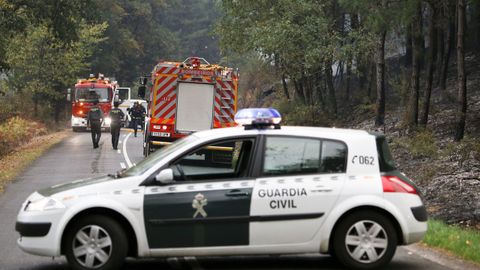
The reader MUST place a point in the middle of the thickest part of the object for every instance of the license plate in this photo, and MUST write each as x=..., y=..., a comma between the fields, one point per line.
x=160, y=134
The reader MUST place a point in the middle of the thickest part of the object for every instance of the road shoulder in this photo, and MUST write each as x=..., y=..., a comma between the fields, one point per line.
x=441, y=257
x=12, y=164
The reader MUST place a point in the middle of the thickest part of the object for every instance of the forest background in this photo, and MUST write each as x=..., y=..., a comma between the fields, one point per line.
x=408, y=68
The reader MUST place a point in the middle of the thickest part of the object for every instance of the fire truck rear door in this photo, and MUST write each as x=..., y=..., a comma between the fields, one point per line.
x=194, y=107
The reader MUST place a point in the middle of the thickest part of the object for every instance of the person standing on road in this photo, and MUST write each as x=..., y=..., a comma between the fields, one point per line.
x=137, y=113
x=94, y=121
x=116, y=115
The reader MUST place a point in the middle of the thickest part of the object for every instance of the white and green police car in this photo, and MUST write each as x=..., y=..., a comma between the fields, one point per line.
x=258, y=189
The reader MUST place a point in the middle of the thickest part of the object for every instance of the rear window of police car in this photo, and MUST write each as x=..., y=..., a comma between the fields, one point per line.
x=293, y=155
x=385, y=158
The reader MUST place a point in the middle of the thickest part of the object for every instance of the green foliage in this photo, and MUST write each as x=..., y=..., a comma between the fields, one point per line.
x=367, y=107
x=256, y=76
x=301, y=115
x=46, y=45
x=297, y=33
x=44, y=66
x=62, y=18
x=192, y=22
x=16, y=131
x=400, y=86
x=136, y=38
x=464, y=243
x=304, y=39
x=420, y=144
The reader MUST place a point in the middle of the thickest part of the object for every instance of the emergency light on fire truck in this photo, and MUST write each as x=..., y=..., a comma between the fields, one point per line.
x=259, y=118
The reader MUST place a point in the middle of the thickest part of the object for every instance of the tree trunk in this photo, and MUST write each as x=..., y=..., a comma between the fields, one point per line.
x=306, y=90
x=310, y=81
x=299, y=91
x=440, y=53
x=408, y=47
x=320, y=86
x=476, y=18
x=372, y=69
x=362, y=68
x=58, y=110
x=380, y=80
x=332, y=100
x=446, y=57
x=285, y=87
x=475, y=25
x=347, y=83
x=461, y=79
x=412, y=111
x=430, y=59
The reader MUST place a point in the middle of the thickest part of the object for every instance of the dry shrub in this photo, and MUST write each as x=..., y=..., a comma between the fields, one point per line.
x=420, y=145
x=17, y=131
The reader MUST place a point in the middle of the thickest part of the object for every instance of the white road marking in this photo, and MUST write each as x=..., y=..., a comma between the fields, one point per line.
x=125, y=155
x=123, y=165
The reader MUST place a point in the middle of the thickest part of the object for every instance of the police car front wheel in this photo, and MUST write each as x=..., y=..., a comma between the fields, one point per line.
x=95, y=242
x=365, y=240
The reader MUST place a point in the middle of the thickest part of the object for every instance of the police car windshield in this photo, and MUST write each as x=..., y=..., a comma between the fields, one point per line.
x=157, y=156
x=90, y=94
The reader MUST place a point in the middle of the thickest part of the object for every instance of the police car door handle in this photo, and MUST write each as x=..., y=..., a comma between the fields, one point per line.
x=237, y=193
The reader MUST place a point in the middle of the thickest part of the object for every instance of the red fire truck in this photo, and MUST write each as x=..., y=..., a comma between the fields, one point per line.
x=189, y=96
x=86, y=91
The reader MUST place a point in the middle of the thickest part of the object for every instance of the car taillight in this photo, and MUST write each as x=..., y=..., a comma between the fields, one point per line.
x=395, y=184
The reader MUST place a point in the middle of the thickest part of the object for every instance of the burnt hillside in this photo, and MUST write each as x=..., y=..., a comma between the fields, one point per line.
x=447, y=172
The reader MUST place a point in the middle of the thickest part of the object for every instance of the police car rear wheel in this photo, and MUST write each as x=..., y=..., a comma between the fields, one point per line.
x=364, y=240
x=95, y=242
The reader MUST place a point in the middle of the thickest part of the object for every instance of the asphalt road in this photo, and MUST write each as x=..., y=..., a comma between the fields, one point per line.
x=75, y=158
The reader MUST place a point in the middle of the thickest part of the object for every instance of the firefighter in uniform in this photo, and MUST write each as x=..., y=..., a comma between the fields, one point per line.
x=94, y=121
x=116, y=115
x=137, y=113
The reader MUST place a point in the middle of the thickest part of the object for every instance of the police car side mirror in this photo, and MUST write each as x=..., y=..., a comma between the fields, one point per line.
x=165, y=177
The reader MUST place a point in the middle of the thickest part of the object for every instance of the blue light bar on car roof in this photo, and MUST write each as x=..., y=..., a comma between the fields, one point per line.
x=258, y=118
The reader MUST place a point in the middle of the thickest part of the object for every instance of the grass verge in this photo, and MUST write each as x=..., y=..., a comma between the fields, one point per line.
x=13, y=163
x=461, y=242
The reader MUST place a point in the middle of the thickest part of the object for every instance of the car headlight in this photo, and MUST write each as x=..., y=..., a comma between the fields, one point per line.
x=44, y=204
x=108, y=121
